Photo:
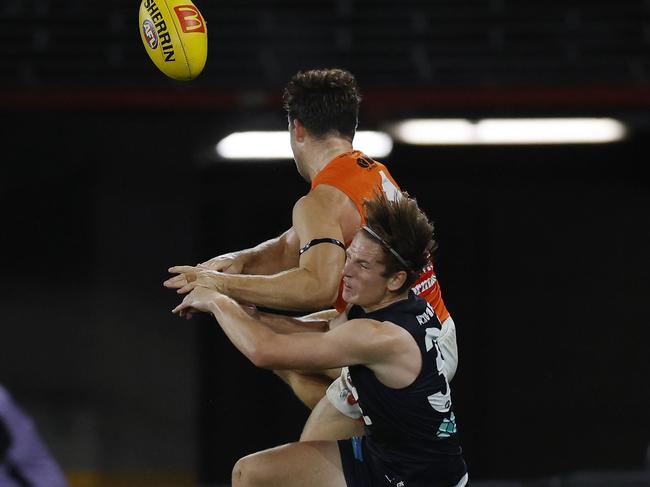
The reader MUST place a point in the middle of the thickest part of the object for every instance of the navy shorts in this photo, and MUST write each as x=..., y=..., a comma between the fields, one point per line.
x=362, y=469
x=356, y=463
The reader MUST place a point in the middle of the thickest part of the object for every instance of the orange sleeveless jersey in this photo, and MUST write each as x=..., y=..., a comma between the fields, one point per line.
x=361, y=178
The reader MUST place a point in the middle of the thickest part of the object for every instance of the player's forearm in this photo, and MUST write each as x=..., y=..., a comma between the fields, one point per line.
x=269, y=257
x=245, y=332
x=255, y=339
x=323, y=315
x=297, y=289
x=288, y=324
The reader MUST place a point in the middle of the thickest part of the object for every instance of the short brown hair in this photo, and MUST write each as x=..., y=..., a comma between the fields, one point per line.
x=325, y=101
x=406, y=229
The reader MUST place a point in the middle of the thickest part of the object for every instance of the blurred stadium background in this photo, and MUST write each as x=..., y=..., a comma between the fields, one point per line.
x=109, y=176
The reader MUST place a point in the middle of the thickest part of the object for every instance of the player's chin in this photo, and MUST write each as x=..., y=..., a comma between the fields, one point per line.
x=348, y=295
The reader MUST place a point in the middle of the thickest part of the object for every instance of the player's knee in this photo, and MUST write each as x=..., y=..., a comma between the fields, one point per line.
x=238, y=472
x=247, y=473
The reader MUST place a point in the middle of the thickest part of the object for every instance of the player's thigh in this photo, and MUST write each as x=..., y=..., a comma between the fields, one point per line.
x=308, y=387
x=313, y=463
x=327, y=423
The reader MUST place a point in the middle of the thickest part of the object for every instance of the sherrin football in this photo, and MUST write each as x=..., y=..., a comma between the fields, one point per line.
x=175, y=36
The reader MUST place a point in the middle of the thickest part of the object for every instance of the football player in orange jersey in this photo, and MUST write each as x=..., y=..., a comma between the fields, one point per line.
x=301, y=269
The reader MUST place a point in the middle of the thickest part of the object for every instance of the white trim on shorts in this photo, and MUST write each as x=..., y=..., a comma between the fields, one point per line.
x=449, y=348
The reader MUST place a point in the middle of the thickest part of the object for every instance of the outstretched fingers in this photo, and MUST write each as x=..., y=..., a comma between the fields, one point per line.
x=186, y=275
x=187, y=287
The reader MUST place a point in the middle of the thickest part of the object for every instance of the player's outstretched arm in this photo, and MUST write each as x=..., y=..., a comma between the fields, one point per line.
x=290, y=324
x=321, y=321
x=354, y=342
x=270, y=257
x=313, y=284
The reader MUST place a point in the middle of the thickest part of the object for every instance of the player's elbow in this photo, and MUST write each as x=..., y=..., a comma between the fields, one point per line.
x=320, y=293
x=269, y=353
x=327, y=297
x=317, y=302
x=262, y=357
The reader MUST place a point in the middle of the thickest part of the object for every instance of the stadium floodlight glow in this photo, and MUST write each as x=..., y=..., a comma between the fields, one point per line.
x=550, y=131
x=374, y=144
x=434, y=132
x=509, y=131
x=255, y=145
x=275, y=145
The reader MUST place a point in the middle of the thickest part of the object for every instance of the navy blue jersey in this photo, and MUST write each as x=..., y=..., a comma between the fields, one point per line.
x=412, y=429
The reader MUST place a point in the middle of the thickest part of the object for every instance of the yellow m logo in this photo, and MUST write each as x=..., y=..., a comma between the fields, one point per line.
x=190, y=18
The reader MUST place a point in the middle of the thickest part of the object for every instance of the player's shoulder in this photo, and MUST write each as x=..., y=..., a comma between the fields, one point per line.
x=323, y=198
x=363, y=329
x=327, y=193
x=373, y=326
x=343, y=167
x=384, y=336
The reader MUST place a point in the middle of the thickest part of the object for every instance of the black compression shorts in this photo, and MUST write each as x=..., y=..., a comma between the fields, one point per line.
x=362, y=469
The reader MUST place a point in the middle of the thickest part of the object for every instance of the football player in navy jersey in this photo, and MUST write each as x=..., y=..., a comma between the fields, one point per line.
x=386, y=344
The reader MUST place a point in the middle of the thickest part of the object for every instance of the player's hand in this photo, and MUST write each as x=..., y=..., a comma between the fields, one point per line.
x=194, y=276
x=232, y=263
x=200, y=299
x=176, y=282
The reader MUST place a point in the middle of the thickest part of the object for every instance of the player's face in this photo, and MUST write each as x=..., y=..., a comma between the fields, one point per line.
x=363, y=283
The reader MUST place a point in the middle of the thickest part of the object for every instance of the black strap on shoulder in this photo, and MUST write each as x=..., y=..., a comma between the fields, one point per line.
x=317, y=241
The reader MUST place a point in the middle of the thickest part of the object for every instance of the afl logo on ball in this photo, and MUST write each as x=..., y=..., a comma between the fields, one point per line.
x=150, y=33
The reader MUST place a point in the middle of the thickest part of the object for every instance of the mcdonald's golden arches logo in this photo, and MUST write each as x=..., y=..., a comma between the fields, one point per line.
x=190, y=18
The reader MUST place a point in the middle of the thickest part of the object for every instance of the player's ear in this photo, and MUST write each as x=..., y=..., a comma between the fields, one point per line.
x=298, y=129
x=397, y=280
